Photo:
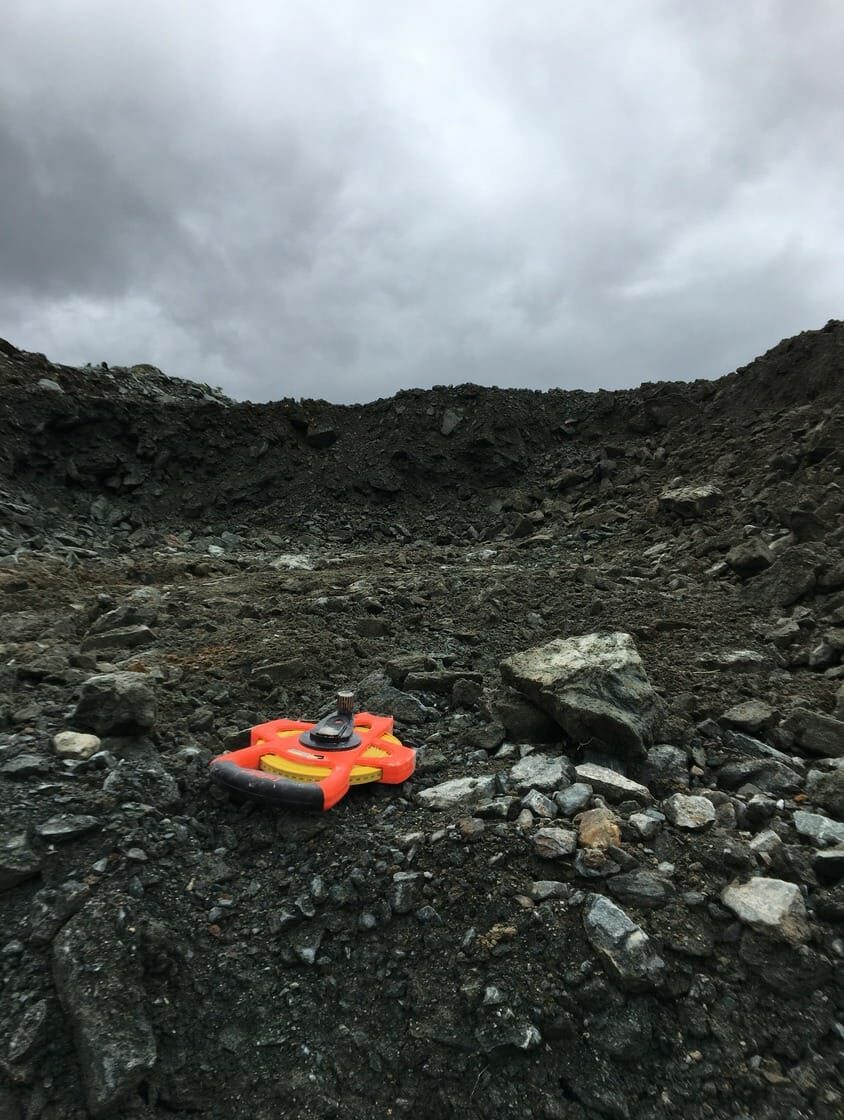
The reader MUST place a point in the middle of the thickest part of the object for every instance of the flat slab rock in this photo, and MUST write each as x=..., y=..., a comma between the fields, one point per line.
x=770, y=906
x=457, y=792
x=594, y=686
x=690, y=501
x=613, y=786
x=819, y=829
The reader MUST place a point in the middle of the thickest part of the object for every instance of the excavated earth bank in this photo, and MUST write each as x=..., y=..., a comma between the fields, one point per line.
x=537, y=941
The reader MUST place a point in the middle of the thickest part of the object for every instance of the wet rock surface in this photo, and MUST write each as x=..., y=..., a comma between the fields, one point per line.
x=606, y=905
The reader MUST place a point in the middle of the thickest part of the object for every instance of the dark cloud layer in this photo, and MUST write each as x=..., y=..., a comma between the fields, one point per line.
x=340, y=200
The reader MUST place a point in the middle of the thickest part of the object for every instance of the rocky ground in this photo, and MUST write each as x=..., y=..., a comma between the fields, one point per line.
x=612, y=624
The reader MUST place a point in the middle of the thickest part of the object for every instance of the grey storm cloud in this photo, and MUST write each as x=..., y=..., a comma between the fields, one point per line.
x=344, y=199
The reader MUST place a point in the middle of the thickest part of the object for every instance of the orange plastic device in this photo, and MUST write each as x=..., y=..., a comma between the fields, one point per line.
x=312, y=765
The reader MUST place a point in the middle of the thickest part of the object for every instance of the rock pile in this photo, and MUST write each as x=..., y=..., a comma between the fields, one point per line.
x=612, y=625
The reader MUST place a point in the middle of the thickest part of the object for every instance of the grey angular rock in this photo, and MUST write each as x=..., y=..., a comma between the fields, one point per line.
x=554, y=843
x=644, y=889
x=574, y=798
x=140, y=610
x=406, y=891
x=749, y=557
x=594, y=686
x=624, y=947
x=613, y=786
x=792, y=576
x=820, y=830
x=647, y=824
x=66, y=826
x=18, y=861
x=827, y=790
x=539, y=804
x=689, y=812
x=751, y=716
x=770, y=906
x=828, y=865
x=666, y=769
x=542, y=772
x=375, y=693
x=128, y=637
x=457, y=792
x=815, y=732
x=543, y=889
x=31, y=1034
x=97, y=978
x=116, y=704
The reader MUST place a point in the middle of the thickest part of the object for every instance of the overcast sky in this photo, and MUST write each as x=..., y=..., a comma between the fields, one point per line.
x=342, y=198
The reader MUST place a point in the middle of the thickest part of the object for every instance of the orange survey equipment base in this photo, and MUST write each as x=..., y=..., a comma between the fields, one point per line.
x=279, y=769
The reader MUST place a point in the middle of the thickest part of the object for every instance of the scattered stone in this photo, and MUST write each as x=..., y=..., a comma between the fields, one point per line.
x=458, y=792
x=129, y=637
x=544, y=889
x=820, y=830
x=572, y=800
x=98, y=980
x=613, y=786
x=31, y=1034
x=598, y=828
x=554, y=843
x=752, y=716
x=792, y=576
x=770, y=906
x=816, y=732
x=406, y=891
x=595, y=863
x=765, y=842
x=116, y=704
x=749, y=557
x=320, y=437
x=539, y=804
x=451, y=419
x=497, y=809
x=18, y=861
x=542, y=772
x=666, y=769
x=827, y=790
x=828, y=865
x=624, y=947
x=690, y=501
x=24, y=765
x=66, y=826
x=641, y=888
x=375, y=693
x=689, y=812
x=471, y=829
x=75, y=744
x=647, y=824
x=594, y=686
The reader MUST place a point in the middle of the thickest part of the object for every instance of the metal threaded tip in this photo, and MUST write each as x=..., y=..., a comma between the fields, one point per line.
x=346, y=703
